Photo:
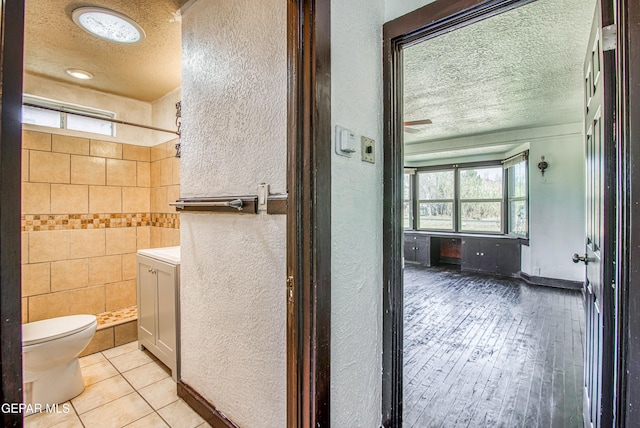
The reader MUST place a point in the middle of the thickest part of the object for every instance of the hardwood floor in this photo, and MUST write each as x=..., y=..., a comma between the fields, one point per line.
x=483, y=351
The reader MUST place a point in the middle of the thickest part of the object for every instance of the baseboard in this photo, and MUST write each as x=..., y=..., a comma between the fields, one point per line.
x=204, y=408
x=551, y=282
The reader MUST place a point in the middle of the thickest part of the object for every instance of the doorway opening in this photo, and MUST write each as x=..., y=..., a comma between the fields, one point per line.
x=475, y=127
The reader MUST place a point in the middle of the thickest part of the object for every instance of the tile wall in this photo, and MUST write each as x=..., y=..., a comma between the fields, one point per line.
x=87, y=207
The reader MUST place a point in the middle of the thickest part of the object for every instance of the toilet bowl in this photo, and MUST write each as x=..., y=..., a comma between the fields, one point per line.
x=50, y=350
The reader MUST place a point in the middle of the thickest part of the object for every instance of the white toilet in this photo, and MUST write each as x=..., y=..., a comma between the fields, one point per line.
x=50, y=350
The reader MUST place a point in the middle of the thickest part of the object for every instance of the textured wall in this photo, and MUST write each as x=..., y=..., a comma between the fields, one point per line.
x=557, y=224
x=356, y=216
x=233, y=267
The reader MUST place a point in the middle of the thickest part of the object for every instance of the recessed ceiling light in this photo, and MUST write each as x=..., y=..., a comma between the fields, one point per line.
x=79, y=74
x=108, y=25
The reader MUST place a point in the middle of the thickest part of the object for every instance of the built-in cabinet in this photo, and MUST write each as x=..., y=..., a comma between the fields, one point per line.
x=158, y=309
x=479, y=253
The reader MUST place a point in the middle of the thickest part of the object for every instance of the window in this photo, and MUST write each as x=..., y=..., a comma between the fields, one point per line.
x=407, y=205
x=486, y=197
x=518, y=203
x=39, y=112
x=481, y=194
x=436, y=195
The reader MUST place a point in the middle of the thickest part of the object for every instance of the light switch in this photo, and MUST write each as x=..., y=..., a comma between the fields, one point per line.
x=368, y=149
x=345, y=141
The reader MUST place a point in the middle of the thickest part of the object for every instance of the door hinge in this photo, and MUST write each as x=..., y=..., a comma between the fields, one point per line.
x=609, y=37
x=290, y=287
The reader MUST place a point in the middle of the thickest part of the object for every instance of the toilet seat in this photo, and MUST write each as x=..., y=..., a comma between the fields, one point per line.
x=37, y=332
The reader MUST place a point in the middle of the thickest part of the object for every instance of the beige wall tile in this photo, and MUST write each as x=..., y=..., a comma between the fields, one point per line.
x=46, y=167
x=155, y=173
x=159, y=199
x=25, y=310
x=175, y=237
x=68, y=144
x=158, y=152
x=136, y=200
x=121, y=240
x=126, y=333
x=69, y=199
x=25, y=165
x=170, y=148
x=129, y=266
x=156, y=237
x=120, y=295
x=103, y=339
x=106, y=149
x=85, y=243
x=176, y=171
x=144, y=237
x=144, y=174
x=48, y=245
x=69, y=274
x=48, y=306
x=88, y=170
x=121, y=173
x=137, y=153
x=173, y=194
x=24, y=253
x=36, y=140
x=36, y=198
x=105, y=199
x=104, y=270
x=166, y=236
x=36, y=279
x=87, y=300
x=166, y=172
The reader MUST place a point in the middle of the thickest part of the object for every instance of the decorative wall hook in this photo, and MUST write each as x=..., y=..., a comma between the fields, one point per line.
x=178, y=125
x=542, y=165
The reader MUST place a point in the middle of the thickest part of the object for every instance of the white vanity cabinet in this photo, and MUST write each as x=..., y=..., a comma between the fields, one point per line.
x=159, y=303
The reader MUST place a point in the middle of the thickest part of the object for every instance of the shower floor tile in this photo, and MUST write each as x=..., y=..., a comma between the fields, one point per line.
x=125, y=387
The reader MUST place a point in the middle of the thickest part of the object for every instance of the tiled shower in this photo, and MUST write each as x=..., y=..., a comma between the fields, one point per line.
x=87, y=207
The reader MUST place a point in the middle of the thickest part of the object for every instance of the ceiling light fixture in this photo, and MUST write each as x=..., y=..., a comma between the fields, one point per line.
x=79, y=74
x=108, y=25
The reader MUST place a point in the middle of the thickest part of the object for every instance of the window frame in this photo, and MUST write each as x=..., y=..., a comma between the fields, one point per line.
x=500, y=200
x=411, y=225
x=420, y=201
x=457, y=200
x=70, y=109
x=525, y=198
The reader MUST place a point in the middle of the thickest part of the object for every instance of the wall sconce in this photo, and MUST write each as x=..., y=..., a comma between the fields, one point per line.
x=542, y=165
x=178, y=125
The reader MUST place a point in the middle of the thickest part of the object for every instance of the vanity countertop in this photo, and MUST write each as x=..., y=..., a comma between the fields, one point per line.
x=164, y=254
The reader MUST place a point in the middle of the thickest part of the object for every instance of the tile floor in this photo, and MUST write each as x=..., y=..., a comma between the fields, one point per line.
x=125, y=387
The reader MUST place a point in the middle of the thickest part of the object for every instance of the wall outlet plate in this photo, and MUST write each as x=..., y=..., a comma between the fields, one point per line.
x=368, y=150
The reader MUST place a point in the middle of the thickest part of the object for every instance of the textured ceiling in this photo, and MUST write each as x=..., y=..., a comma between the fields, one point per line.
x=520, y=69
x=144, y=71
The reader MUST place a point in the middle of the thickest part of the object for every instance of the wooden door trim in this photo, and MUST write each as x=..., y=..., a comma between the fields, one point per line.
x=11, y=56
x=309, y=214
x=628, y=280
x=419, y=25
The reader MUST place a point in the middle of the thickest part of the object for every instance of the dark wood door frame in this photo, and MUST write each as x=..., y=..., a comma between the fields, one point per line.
x=309, y=214
x=11, y=52
x=428, y=22
x=628, y=254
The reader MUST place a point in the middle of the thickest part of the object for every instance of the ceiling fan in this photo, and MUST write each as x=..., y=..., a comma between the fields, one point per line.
x=410, y=126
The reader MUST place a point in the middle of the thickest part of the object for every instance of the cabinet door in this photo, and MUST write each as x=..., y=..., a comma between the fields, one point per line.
x=166, y=324
x=146, y=301
x=423, y=251
x=471, y=258
x=508, y=258
x=409, y=248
